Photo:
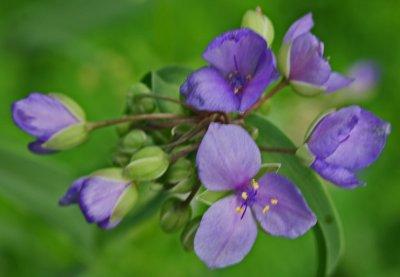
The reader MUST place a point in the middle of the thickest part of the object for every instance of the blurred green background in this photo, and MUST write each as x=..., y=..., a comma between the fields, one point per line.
x=93, y=50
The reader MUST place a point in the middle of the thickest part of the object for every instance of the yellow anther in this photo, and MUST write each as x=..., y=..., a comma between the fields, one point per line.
x=239, y=210
x=266, y=209
x=274, y=201
x=255, y=184
x=245, y=195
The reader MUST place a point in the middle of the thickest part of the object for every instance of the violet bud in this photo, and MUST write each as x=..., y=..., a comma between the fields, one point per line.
x=104, y=197
x=57, y=122
x=344, y=142
x=302, y=63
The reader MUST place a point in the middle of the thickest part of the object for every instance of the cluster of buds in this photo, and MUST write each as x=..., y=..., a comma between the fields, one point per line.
x=206, y=144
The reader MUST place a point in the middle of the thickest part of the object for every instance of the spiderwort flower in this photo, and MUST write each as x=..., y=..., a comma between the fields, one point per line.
x=366, y=75
x=301, y=61
x=344, y=142
x=228, y=159
x=240, y=67
x=103, y=197
x=57, y=122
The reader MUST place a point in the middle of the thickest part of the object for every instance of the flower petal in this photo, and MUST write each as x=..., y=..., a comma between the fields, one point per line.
x=223, y=237
x=299, y=27
x=236, y=51
x=339, y=176
x=72, y=194
x=337, y=81
x=99, y=196
x=281, y=209
x=265, y=74
x=206, y=89
x=307, y=63
x=332, y=130
x=364, y=144
x=41, y=115
x=37, y=148
x=227, y=157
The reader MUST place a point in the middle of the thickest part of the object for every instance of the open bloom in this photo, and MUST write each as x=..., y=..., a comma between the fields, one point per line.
x=301, y=61
x=345, y=142
x=228, y=159
x=55, y=120
x=241, y=66
x=103, y=197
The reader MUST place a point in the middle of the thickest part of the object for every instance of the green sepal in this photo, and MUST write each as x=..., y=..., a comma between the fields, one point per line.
x=261, y=24
x=209, y=197
x=315, y=122
x=284, y=59
x=71, y=105
x=68, y=137
x=136, y=103
x=306, y=89
x=125, y=203
x=133, y=141
x=266, y=168
x=148, y=164
x=305, y=155
x=115, y=173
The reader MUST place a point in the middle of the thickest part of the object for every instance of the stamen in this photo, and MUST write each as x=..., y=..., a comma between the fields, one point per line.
x=239, y=210
x=265, y=209
x=255, y=184
x=237, y=89
x=248, y=77
x=274, y=201
x=245, y=195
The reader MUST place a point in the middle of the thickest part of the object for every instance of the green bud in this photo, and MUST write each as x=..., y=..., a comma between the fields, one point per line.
x=68, y=137
x=258, y=22
x=306, y=89
x=180, y=170
x=147, y=164
x=123, y=129
x=138, y=104
x=121, y=159
x=71, y=105
x=174, y=215
x=133, y=141
x=188, y=233
x=284, y=60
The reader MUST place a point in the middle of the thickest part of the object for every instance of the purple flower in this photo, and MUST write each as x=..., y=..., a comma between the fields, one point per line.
x=345, y=142
x=366, y=75
x=241, y=66
x=103, y=197
x=55, y=120
x=228, y=159
x=301, y=61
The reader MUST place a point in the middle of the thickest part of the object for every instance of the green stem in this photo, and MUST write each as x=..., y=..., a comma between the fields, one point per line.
x=192, y=194
x=183, y=153
x=321, y=251
x=131, y=118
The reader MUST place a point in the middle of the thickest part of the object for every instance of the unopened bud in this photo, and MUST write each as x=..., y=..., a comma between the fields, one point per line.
x=137, y=102
x=188, y=234
x=258, y=22
x=174, y=215
x=133, y=141
x=181, y=177
x=147, y=164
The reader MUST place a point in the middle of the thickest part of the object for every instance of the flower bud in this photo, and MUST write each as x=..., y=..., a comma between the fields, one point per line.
x=147, y=164
x=258, y=22
x=188, y=233
x=181, y=176
x=120, y=159
x=57, y=122
x=104, y=197
x=133, y=141
x=174, y=215
x=136, y=101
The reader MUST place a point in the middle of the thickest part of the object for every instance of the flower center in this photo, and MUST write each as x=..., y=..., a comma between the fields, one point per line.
x=237, y=81
x=247, y=197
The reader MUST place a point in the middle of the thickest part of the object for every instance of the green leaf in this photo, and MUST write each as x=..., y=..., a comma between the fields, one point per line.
x=328, y=230
x=166, y=82
x=209, y=197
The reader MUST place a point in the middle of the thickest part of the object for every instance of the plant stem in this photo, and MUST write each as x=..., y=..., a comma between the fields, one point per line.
x=130, y=118
x=192, y=194
x=282, y=84
x=290, y=151
x=176, y=156
x=160, y=97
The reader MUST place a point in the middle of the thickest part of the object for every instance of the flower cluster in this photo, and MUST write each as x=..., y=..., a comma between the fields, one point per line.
x=216, y=101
